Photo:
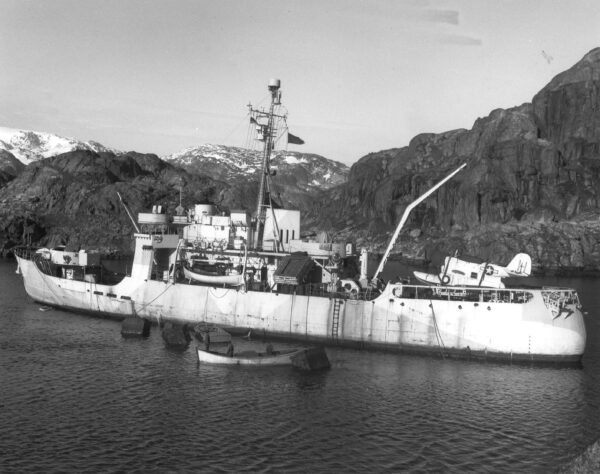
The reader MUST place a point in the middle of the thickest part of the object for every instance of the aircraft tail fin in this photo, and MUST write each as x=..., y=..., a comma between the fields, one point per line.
x=520, y=265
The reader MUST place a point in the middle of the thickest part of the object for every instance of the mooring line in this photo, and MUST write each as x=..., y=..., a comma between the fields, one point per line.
x=437, y=332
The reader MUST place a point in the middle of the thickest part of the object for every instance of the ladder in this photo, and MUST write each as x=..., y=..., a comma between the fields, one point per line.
x=335, y=322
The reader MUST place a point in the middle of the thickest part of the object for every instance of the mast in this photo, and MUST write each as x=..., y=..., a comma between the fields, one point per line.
x=267, y=132
x=407, y=211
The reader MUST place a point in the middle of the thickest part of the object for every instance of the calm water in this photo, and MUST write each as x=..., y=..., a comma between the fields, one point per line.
x=76, y=397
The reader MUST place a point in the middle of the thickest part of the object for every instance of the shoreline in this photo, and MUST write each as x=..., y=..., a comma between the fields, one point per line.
x=588, y=461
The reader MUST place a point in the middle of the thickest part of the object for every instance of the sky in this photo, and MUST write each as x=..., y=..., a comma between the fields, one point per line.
x=357, y=76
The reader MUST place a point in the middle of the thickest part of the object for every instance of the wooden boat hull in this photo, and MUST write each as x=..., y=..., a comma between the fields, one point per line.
x=250, y=358
x=427, y=278
x=231, y=280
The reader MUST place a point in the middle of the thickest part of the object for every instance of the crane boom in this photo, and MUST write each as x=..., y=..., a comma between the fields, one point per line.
x=407, y=211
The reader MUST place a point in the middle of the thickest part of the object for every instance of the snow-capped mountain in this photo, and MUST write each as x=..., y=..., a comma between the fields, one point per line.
x=28, y=146
x=232, y=164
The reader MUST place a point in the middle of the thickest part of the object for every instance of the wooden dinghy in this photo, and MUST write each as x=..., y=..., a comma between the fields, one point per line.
x=231, y=279
x=304, y=358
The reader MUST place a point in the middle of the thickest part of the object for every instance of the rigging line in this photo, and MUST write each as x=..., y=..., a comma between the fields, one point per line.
x=145, y=305
x=437, y=332
x=265, y=98
x=275, y=225
x=218, y=297
x=284, y=130
x=235, y=128
x=252, y=111
x=355, y=302
x=250, y=134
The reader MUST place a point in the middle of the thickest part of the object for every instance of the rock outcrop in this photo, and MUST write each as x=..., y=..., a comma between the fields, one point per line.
x=72, y=199
x=10, y=167
x=531, y=184
x=585, y=463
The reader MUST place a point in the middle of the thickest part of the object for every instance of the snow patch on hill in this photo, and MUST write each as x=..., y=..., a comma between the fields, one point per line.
x=28, y=146
x=228, y=163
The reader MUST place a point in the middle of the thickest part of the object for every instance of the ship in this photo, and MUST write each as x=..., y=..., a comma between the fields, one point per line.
x=255, y=273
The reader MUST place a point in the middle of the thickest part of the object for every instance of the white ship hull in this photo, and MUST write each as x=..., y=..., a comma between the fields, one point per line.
x=533, y=330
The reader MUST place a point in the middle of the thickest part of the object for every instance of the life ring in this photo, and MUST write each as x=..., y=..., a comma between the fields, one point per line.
x=489, y=270
x=349, y=286
x=445, y=279
x=397, y=292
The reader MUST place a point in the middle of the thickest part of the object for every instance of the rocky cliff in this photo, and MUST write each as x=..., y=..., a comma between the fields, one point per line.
x=531, y=184
x=10, y=167
x=72, y=198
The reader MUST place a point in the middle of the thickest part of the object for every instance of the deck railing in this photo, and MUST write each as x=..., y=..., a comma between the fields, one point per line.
x=556, y=298
x=458, y=293
x=24, y=252
x=467, y=294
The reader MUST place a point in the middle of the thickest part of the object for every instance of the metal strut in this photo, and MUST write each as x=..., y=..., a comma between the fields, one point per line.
x=407, y=211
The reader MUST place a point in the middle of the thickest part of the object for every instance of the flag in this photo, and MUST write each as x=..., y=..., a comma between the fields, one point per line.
x=253, y=120
x=294, y=140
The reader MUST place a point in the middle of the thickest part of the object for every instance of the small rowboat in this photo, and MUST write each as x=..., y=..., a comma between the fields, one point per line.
x=303, y=358
x=249, y=357
x=232, y=279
